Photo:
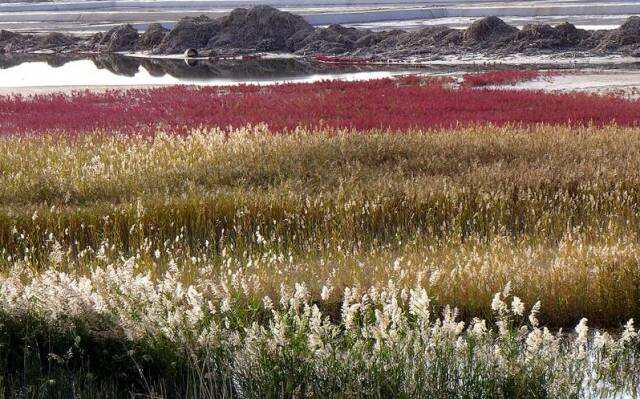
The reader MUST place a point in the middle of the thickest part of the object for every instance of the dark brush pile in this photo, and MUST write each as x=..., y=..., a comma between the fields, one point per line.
x=265, y=28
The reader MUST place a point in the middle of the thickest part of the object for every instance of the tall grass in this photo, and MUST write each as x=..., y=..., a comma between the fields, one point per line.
x=213, y=339
x=499, y=204
x=321, y=263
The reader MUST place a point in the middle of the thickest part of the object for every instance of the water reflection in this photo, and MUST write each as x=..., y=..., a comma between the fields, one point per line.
x=48, y=70
x=23, y=70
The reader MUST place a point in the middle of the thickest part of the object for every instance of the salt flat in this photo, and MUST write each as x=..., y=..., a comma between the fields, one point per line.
x=89, y=16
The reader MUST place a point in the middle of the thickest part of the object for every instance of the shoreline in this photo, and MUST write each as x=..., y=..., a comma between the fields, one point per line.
x=264, y=29
x=37, y=90
x=595, y=76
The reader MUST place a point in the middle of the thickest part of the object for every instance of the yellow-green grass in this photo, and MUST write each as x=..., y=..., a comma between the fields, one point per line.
x=553, y=210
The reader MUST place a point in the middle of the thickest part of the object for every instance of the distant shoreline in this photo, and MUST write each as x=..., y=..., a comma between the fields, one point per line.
x=265, y=29
x=77, y=16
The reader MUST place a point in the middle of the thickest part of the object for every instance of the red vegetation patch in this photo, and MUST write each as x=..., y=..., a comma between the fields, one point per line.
x=508, y=77
x=386, y=104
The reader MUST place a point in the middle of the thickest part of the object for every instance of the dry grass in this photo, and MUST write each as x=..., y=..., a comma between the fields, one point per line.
x=554, y=210
x=321, y=264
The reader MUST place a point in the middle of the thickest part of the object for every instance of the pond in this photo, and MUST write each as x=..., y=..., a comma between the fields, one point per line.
x=40, y=70
x=40, y=73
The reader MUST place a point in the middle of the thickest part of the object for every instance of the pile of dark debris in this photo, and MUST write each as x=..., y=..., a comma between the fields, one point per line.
x=267, y=29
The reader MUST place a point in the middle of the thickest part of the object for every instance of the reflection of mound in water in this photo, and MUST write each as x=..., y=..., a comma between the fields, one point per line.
x=117, y=64
x=208, y=69
x=191, y=62
x=53, y=60
x=191, y=69
x=205, y=69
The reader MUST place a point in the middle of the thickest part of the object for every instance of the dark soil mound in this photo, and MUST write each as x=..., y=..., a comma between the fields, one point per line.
x=105, y=37
x=374, y=38
x=95, y=39
x=535, y=32
x=152, y=37
x=543, y=37
x=7, y=35
x=120, y=38
x=334, y=39
x=628, y=34
x=572, y=36
x=188, y=33
x=11, y=42
x=439, y=39
x=489, y=29
x=262, y=28
x=55, y=40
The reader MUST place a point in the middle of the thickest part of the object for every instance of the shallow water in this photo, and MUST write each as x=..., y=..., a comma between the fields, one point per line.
x=619, y=82
x=113, y=70
x=35, y=73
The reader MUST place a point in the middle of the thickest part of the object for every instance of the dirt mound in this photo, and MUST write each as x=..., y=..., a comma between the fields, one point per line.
x=374, y=38
x=536, y=32
x=56, y=40
x=11, y=42
x=438, y=39
x=6, y=35
x=95, y=39
x=334, y=39
x=262, y=28
x=152, y=37
x=628, y=34
x=188, y=33
x=489, y=29
x=119, y=38
x=432, y=36
x=571, y=35
x=547, y=37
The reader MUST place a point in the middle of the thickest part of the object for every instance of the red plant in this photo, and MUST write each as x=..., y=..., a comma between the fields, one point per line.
x=377, y=104
x=492, y=78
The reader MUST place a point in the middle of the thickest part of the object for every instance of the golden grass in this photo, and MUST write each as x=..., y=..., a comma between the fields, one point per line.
x=553, y=210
